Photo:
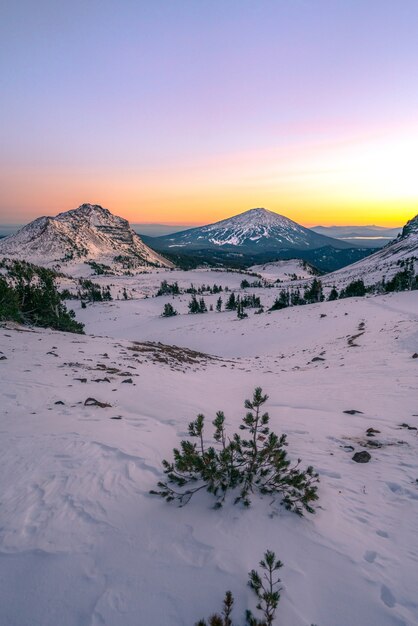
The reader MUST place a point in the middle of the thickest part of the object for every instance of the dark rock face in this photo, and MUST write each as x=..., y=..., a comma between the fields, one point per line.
x=362, y=457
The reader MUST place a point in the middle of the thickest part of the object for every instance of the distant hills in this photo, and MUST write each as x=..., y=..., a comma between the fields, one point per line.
x=364, y=236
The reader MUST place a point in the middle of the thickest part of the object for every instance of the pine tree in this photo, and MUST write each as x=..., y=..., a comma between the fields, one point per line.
x=353, y=289
x=202, y=306
x=168, y=310
x=193, y=305
x=241, y=314
x=314, y=292
x=219, y=304
x=333, y=294
x=231, y=303
x=296, y=299
x=245, y=466
x=266, y=588
x=281, y=302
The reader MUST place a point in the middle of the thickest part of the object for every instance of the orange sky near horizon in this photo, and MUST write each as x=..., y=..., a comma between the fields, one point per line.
x=352, y=181
x=191, y=112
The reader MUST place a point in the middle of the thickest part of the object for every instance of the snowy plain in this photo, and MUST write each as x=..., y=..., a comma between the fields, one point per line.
x=82, y=543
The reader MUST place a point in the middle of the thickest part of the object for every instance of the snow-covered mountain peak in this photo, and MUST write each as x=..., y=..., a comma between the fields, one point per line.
x=253, y=231
x=259, y=217
x=87, y=233
x=94, y=214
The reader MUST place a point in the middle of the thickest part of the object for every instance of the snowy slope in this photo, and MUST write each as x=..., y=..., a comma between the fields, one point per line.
x=284, y=270
x=87, y=233
x=82, y=542
x=385, y=262
x=253, y=231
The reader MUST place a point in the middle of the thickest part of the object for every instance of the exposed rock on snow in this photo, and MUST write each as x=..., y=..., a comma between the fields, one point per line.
x=362, y=457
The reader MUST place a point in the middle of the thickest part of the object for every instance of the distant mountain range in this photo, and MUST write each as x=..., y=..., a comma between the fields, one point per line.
x=89, y=233
x=92, y=233
x=365, y=236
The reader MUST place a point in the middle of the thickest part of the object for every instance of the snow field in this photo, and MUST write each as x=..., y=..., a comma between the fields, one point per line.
x=83, y=543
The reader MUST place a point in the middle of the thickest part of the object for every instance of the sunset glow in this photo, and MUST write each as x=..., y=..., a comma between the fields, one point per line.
x=187, y=113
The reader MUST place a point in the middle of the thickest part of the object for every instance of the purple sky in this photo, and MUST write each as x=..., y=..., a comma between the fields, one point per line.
x=148, y=106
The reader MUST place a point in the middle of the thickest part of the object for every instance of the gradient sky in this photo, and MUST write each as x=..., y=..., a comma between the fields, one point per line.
x=189, y=111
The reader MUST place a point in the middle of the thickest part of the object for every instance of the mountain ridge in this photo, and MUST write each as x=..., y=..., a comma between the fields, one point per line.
x=89, y=232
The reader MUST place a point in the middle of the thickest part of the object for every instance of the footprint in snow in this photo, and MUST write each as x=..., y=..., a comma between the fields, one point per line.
x=370, y=556
x=387, y=597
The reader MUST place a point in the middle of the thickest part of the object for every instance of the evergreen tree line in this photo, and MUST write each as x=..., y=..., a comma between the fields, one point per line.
x=92, y=292
x=28, y=295
x=404, y=280
x=173, y=289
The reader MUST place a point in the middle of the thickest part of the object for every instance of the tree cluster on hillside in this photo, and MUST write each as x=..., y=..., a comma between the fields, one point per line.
x=28, y=294
x=404, y=280
x=167, y=289
x=256, y=284
x=100, y=268
x=205, y=289
x=242, y=302
x=92, y=292
x=173, y=289
x=197, y=306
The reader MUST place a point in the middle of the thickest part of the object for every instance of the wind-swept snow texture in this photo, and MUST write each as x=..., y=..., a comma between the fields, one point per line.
x=87, y=233
x=83, y=543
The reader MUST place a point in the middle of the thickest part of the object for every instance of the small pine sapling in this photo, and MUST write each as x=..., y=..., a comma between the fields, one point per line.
x=258, y=464
x=266, y=588
x=225, y=618
x=169, y=310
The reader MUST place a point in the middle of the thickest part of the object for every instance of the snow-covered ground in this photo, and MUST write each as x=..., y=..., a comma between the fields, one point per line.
x=283, y=270
x=82, y=543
